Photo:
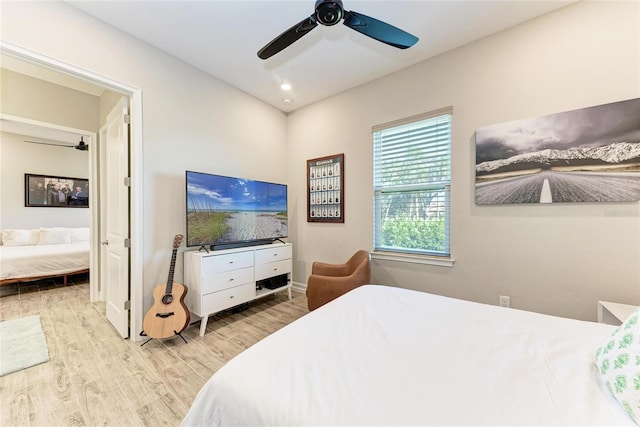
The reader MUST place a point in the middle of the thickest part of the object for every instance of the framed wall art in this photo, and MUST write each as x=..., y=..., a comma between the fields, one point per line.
x=55, y=191
x=587, y=155
x=325, y=189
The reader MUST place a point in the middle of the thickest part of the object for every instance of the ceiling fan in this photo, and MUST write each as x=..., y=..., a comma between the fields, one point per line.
x=328, y=13
x=82, y=146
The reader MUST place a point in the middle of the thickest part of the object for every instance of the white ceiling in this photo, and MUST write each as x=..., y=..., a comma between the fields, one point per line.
x=223, y=37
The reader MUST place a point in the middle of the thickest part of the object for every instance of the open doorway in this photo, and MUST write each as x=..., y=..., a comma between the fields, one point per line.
x=131, y=303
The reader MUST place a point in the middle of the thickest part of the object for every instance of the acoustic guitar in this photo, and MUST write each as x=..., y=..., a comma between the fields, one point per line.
x=168, y=315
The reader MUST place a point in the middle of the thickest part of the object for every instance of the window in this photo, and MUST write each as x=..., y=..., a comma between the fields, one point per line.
x=412, y=184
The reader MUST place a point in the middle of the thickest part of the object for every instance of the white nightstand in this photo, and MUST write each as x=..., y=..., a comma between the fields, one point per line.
x=613, y=313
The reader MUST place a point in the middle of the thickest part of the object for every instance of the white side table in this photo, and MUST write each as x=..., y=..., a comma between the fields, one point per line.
x=613, y=313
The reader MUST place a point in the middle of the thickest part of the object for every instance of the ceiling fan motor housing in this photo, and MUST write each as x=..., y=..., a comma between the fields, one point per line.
x=329, y=12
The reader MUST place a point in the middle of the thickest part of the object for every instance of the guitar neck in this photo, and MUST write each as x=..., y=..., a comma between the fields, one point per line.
x=172, y=268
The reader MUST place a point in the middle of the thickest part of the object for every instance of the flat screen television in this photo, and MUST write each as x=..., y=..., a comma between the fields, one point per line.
x=225, y=212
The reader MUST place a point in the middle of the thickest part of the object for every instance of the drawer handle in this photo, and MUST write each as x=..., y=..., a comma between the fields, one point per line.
x=231, y=297
x=232, y=279
x=275, y=269
x=230, y=262
x=275, y=254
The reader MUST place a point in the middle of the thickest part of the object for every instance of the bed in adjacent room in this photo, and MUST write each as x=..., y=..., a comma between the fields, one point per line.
x=33, y=254
x=387, y=356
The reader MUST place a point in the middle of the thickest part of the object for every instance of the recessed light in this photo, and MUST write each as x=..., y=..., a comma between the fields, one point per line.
x=286, y=101
x=285, y=86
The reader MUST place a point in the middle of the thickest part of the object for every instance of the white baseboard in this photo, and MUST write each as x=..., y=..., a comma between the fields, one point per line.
x=299, y=287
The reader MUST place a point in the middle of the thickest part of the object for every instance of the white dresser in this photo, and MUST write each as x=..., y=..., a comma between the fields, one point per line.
x=222, y=279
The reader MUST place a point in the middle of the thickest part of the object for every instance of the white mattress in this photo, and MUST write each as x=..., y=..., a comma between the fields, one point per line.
x=18, y=262
x=387, y=356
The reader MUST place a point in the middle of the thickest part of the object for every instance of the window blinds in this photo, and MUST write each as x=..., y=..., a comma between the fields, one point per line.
x=412, y=176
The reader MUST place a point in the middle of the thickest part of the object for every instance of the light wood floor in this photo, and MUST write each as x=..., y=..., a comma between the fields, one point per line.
x=95, y=378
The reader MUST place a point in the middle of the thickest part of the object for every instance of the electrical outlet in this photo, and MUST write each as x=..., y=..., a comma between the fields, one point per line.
x=505, y=301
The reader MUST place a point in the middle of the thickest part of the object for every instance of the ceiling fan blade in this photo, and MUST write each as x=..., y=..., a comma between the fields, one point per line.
x=49, y=143
x=288, y=37
x=379, y=30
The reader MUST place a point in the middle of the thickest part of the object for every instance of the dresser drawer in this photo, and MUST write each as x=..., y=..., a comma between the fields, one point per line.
x=271, y=269
x=273, y=254
x=227, y=279
x=218, y=301
x=219, y=263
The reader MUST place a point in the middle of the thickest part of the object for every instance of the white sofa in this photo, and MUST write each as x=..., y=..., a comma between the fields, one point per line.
x=33, y=254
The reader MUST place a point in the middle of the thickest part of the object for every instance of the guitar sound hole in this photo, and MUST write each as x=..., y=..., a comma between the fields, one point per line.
x=167, y=299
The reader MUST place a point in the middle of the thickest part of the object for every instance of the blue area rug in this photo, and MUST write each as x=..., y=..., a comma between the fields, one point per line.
x=22, y=344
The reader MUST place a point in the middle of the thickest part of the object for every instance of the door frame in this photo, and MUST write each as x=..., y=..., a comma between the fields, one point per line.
x=135, y=158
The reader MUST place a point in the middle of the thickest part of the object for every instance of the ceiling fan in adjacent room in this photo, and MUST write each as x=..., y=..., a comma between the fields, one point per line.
x=328, y=13
x=82, y=146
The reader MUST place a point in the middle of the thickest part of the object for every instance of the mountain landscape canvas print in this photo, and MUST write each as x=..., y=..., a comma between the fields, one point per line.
x=586, y=155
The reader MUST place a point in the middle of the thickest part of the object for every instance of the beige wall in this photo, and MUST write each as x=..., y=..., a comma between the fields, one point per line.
x=18, y=158
x=35, y=99
x=552, y=259
x=32, y=98
x=190, y=120
x=108, y=101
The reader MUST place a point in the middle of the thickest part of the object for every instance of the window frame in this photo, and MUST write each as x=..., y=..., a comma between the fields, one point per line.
x=404, y=254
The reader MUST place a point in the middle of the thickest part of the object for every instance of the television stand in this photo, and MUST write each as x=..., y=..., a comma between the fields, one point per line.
x=227, y=278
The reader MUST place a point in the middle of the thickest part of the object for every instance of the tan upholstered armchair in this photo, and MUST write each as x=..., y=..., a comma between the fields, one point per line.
x=328, y=281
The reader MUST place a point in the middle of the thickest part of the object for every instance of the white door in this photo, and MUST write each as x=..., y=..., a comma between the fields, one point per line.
x=115, y=208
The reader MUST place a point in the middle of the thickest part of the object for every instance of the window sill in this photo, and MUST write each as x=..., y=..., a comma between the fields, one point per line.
x=414, y=259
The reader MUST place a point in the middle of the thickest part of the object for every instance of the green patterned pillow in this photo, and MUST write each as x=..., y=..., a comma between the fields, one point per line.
x=618, y=361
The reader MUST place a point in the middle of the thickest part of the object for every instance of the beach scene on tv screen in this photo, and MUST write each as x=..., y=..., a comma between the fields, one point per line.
x=223, y=209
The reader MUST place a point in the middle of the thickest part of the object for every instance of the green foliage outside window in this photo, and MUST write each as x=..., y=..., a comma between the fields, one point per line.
x=405, y=233
x=412, y=177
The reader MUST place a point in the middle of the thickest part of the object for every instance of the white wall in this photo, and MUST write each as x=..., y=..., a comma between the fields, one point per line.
x=18, y=158
x=34, y=99
x=552, y=259
x=190, y=120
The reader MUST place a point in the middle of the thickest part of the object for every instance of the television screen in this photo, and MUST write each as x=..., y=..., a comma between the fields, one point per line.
x=223, y=210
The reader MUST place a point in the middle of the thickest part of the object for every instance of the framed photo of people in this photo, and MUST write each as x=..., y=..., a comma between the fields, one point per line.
x=55, y=191
x=325, y=189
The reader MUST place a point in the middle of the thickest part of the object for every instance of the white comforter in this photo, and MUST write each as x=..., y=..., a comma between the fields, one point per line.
x=387, y=356
x=42, y=260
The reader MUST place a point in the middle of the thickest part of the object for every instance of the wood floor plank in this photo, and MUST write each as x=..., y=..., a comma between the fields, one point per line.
x=224, y=348
x=199, y=357
x=97, y=400
x=14, y=399
x=15, y=408
x=137, y=379
x=9, y=307
x=94, y=377
x=181, y=380
x=164, y=411
x=53, y=403
x=139, y=389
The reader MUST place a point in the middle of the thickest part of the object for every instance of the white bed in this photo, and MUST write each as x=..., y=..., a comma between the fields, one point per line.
x=35, y=254
x=387, y=356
